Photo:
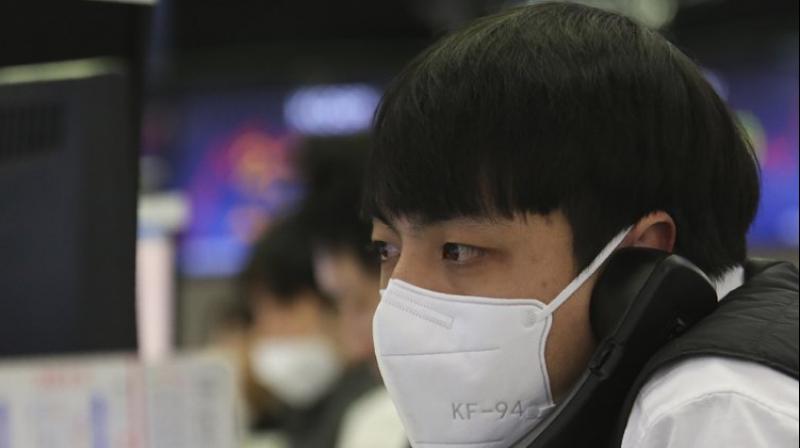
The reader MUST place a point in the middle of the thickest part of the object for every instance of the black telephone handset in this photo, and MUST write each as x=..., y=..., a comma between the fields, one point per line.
x=642, y=299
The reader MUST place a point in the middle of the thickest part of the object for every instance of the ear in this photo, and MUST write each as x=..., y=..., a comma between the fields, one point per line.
x=655, y=231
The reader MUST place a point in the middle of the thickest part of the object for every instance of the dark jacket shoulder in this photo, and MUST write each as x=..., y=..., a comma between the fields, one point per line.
x=757, y=322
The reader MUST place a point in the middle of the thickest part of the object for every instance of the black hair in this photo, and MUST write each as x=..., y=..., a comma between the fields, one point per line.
x=332, y=168
x=559, y=106
x=281, y=262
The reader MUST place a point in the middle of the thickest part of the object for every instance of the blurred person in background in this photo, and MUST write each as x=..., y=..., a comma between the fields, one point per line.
x=345, y=266
x=230, y=336
x=295, y=348
x=347, y=269
x=510, y=160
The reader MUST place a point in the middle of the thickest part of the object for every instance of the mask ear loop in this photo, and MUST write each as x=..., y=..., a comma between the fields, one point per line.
x=576, y=283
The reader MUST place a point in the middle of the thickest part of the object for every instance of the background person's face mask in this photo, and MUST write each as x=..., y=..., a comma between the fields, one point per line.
x=466, y=371
x=297, y=370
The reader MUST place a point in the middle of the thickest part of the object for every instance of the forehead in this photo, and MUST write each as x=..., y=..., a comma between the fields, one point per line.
x=529, y=224
x=477, y=223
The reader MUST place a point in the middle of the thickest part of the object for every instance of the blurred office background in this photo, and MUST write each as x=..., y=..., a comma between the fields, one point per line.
x=218, y=95
x=233, y=87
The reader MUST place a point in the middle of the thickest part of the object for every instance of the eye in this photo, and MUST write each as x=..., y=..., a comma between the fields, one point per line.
x=385, y=251
x=461, y=253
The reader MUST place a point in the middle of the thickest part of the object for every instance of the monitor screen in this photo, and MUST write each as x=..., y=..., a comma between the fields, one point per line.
x=765, y=99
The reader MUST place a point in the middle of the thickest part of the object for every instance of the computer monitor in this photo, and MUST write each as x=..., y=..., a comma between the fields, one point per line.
x=67, y=208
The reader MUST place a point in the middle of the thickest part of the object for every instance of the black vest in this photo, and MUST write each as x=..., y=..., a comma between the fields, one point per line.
x=757, y=322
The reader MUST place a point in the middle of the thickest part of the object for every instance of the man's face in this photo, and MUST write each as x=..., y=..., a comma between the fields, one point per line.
x=302, y=317
x=528, y=257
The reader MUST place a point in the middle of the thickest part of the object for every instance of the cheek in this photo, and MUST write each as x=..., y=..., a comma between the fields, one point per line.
x=542, y=276
x=516, y=277
x=571, y=341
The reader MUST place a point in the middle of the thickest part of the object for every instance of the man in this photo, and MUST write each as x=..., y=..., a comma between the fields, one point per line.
x=510, y=160
x=345, y=267
x=296, y=353
x=332, y=168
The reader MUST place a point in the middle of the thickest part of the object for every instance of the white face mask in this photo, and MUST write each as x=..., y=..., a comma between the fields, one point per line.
x=297, y=370
x=466, y=371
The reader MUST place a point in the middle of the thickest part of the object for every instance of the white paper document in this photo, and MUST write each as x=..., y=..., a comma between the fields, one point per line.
x=117, y=402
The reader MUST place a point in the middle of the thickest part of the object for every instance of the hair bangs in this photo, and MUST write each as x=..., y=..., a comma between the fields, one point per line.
x=445, y=146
